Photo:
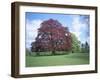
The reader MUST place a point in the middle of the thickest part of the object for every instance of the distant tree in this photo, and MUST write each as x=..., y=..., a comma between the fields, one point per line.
x=85, y=47
x=75, y=43
x=52, y=36
x=28, y=52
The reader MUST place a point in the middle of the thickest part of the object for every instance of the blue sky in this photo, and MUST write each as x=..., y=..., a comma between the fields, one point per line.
x=77, y=24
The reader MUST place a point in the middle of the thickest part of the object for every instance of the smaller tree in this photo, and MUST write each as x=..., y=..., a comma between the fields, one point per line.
x=28, y=52
x=75, y=43
x=85, y=47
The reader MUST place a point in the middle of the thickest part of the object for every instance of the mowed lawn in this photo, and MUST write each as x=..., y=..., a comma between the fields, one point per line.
x=69, y=59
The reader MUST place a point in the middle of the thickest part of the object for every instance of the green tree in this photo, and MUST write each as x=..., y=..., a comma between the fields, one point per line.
x=28, y=52
x=75, y=43
x=85, y=47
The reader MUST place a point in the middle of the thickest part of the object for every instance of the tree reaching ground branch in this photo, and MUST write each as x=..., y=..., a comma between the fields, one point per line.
x=52, y=36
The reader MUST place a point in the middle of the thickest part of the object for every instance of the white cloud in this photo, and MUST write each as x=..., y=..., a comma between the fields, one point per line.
x=31, y=31
x=78, y=27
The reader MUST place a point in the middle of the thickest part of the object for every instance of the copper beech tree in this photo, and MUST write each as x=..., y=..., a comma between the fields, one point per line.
x=52, y=36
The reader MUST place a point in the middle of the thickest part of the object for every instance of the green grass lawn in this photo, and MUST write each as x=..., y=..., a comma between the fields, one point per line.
x=69, y=59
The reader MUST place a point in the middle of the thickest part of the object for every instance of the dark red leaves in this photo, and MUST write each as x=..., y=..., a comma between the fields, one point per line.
x=53, y=36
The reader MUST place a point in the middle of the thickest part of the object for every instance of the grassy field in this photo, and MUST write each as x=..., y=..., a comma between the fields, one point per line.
x=69, y=59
